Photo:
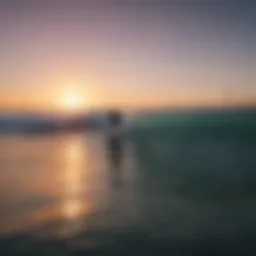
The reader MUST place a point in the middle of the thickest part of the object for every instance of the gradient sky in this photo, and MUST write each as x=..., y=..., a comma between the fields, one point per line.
x=127, y=53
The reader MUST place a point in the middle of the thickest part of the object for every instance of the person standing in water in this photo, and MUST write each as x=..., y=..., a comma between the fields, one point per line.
x=114, y=138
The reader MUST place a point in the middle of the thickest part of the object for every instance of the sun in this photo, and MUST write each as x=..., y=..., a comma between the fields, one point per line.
x=71, y=101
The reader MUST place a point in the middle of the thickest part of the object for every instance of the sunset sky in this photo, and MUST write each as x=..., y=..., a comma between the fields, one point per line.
x=79, y=54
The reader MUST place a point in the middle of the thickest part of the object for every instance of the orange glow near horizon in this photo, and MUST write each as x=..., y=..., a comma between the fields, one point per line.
x=75, y=99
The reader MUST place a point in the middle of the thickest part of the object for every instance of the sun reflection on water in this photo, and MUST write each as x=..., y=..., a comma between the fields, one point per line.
x=56, y=197
x=75, y=155
x=74, y=161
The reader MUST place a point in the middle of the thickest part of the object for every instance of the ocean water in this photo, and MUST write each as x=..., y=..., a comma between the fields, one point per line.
x=184, y=188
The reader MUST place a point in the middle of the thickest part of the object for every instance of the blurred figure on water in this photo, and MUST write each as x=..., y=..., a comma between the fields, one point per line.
x=115, y=146
x=114, y=138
